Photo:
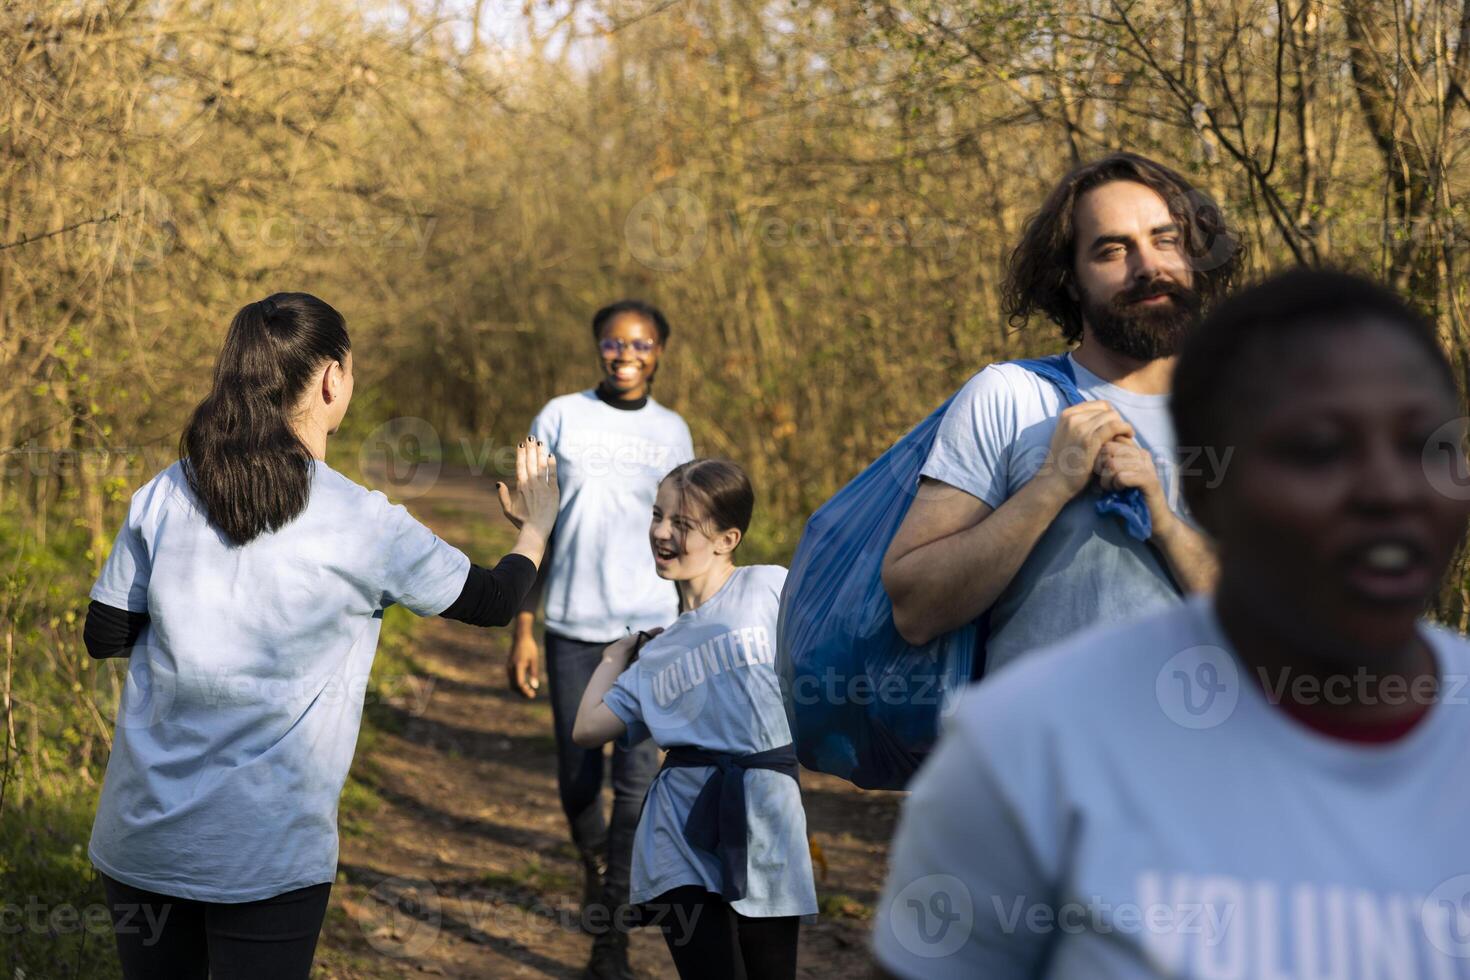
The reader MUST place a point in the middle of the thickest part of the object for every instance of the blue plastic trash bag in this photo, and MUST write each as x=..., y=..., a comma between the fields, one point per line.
x=864, y=704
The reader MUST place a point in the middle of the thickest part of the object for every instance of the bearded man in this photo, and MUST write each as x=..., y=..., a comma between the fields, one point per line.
x=1123, y=257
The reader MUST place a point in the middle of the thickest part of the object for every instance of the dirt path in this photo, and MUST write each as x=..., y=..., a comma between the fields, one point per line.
x=455, y=857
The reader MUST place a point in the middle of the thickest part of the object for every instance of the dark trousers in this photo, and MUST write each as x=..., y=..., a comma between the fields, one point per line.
x=709, y=940
x=579, y=772
x=160, y=937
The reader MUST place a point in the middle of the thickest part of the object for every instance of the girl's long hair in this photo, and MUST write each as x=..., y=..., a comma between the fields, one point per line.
x=240, y=455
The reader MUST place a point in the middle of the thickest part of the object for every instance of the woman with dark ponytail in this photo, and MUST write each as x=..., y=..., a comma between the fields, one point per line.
x=247, y=588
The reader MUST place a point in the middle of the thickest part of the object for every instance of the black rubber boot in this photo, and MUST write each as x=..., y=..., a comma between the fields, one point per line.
x=609, y=957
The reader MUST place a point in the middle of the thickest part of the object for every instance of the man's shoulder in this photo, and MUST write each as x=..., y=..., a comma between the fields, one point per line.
x=1010, y=384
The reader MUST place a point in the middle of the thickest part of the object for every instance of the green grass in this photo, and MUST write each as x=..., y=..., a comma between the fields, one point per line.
x=533, y=876
x=53, y=920
x=53, y=916
x=394, y=660
x=838, y=905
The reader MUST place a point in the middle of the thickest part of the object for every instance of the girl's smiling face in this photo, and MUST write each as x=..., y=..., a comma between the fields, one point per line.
x=684, y=541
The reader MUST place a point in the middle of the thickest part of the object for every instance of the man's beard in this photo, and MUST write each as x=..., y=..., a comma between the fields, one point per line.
x=1144, y=333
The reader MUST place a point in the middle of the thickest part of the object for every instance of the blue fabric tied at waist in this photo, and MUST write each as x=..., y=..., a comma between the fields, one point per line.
x=1128, y=505
x=716, y=823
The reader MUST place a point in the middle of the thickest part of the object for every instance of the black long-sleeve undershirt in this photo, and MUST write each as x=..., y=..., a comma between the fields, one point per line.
x=110, y=631
x=490, y=597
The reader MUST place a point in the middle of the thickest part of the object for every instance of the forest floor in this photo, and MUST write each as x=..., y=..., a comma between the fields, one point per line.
x=455, y=857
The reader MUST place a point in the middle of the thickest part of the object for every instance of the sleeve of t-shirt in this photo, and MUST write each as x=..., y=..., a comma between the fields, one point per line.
x=420, y=572
x=123, y=583
x=774, y=578
x=622, y=700
x=963, y=876
x=972, y=448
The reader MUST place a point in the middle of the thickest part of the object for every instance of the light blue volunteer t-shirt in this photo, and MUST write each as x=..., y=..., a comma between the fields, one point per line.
x=1085, y=569
x=1129, y=804
x=240, y=712
x=601, y=581
x=709, y=680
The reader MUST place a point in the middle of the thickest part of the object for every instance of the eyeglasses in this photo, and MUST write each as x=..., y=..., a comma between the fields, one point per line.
x=611, y=346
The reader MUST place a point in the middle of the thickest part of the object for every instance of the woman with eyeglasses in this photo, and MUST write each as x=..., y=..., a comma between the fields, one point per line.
x=613, y=444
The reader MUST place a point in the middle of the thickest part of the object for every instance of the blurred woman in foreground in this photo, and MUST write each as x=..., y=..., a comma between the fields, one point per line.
x=1267, y=783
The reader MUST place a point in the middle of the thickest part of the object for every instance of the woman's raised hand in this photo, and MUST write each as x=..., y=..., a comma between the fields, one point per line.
x=537, y=496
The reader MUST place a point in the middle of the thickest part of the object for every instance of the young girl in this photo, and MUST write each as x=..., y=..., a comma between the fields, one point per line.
x=247, y=588
x=721, y=857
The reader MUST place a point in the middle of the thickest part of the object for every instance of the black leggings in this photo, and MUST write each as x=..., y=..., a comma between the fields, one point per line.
x=164, y=938
x=708, y=938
